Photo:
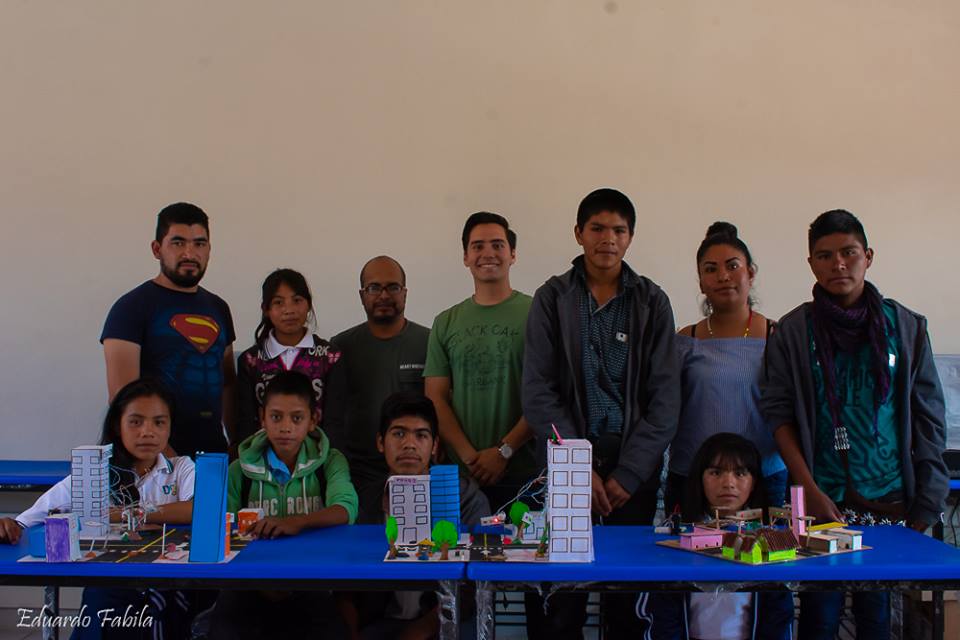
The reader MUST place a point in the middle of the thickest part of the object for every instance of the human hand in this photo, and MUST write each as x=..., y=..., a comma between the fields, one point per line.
x=488, y=467
x=616, y=494
x=10, y=531
x=601, y=503
x=822, y=507
x=918, y=525
x=269, y=528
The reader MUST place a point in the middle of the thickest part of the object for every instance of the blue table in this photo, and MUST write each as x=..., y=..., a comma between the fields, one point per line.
x=32, y=474
x=627, y=559
x=347, y=558
x=629, y=556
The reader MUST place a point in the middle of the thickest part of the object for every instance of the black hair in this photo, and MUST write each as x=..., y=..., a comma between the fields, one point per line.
x=835, y=221
x=291, y=383
x=294, y=280
x=726, y=450
x=408, y=403
x=603, y=200
x=140, y=388
x=180, y=213
x=403, y=274
x=485, y=217
x=724, y=233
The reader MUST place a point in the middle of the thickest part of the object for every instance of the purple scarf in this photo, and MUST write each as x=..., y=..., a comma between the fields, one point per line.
x=836, y=328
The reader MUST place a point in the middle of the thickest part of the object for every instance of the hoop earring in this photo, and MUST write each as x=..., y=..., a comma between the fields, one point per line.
x=705, y=307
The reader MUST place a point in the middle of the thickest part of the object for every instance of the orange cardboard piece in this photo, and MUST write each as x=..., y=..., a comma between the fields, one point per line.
x=226, y=543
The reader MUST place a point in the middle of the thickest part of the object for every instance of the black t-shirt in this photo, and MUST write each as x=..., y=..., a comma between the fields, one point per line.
x=375, y=369
x=182, y=338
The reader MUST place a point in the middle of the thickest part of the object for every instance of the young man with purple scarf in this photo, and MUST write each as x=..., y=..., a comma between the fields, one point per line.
x=857, y=410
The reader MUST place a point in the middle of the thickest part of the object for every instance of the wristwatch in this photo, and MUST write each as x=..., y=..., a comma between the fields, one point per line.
x=505, y=450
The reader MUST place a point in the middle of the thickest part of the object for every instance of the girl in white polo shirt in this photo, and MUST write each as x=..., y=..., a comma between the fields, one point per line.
x=138, y=426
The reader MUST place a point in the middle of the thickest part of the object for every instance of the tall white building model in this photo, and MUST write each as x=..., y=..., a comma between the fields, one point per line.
x=410, y=505
x=569, y=470
x=90, y=488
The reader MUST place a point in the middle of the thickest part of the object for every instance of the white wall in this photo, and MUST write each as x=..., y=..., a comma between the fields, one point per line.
x=318, y=134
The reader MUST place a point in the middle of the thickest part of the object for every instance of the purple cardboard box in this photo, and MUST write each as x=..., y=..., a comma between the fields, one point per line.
x=62, y=537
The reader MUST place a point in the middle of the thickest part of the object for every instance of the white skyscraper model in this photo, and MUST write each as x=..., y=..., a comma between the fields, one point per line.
x=90, y=488
x=410, y=505
x=569, y=471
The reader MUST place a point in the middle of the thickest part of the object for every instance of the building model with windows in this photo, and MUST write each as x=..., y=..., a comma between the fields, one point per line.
x=428, y=506
x=445, y=494
x=569, y=492
x=410, y=505
x=753, y=542
x=90, y=488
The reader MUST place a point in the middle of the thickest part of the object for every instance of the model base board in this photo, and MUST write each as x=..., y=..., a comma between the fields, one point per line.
x=152, y=547
x=482, y=548
x=717, y=552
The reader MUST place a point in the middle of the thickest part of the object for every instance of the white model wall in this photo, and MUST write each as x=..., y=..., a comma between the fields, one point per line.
x=318, y=134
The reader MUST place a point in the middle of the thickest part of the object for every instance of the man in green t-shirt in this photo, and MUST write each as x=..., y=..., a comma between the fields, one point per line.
x=474, y=366
x=382, y=356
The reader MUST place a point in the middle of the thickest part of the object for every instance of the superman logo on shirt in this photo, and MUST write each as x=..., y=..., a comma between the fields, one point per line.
x=200, y=331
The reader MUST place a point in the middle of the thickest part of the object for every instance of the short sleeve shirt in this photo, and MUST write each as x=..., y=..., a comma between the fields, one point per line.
x=480, y=348
x=182, y=338
x=170, y=480
x=375, y=369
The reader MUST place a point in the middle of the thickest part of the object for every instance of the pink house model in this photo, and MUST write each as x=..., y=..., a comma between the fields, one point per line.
x=701, y=538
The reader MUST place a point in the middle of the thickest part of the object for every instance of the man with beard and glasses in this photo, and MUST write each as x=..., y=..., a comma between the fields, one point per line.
x=172, y=329
x=381, y=356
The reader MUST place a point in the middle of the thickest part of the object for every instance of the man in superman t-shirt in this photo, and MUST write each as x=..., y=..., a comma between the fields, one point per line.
x=172, y=329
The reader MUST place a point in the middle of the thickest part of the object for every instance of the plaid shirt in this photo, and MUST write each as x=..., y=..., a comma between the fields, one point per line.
x=605, y=348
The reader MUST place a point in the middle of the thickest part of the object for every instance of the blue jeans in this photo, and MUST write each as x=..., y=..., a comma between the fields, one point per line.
x=820, y=615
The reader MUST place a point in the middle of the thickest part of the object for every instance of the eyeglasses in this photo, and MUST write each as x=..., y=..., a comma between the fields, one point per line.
x=376, y=289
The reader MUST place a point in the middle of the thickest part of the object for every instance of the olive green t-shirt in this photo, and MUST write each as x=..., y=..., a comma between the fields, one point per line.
x=480, y=348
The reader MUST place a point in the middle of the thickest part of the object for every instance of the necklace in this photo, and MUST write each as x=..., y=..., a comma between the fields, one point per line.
x=746, y=332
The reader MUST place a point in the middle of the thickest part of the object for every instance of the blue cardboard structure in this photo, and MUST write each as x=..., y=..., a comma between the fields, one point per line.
x=445, y=494
x=37, y=540
x=209, y=532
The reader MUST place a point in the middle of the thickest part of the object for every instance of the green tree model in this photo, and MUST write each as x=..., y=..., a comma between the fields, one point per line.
x=445, y=535
x=517, y=511
x=392, y=533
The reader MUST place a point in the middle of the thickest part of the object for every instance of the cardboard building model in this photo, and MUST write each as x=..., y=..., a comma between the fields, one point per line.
x=208, y=540
x=701, y=538
x=762, y=545
x=569, y=492
x=445, y=494
x=62, y=537
x=753, y=542
x=409, y=498
x=90, y=488
x=425, y=508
